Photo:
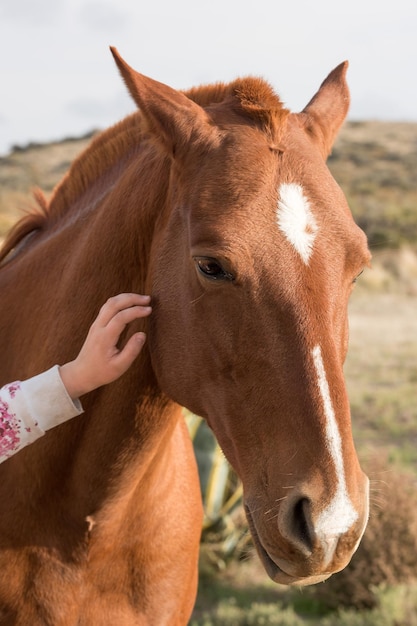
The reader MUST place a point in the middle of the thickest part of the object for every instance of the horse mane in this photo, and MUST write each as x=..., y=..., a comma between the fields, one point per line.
x=104, y=150
x=249, y=97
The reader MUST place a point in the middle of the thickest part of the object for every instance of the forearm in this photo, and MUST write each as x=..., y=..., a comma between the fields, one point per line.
x=29, y=408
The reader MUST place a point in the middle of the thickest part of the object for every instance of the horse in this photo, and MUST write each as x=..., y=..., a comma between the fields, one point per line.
x=218, y=202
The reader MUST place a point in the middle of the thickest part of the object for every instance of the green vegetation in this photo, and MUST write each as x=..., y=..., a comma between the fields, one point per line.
x=396, y=607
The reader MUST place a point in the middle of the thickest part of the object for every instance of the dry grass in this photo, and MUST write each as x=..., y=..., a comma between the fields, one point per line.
x=375, y=164
x=39, y=164
x=36, y=166
x=387, y=554
x=381, y=371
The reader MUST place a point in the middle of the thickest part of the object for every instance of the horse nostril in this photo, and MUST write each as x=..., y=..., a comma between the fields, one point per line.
x=302, y=522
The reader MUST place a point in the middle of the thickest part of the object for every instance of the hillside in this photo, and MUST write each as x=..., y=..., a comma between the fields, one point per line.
x=376, y=165
x=374, y=162
x=36, y=165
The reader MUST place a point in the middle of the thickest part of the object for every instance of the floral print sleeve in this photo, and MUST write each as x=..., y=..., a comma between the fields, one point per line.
x=10, y=425
x=29, y=408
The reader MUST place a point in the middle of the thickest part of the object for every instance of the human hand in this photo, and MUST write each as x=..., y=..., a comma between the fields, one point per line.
x=100, y=361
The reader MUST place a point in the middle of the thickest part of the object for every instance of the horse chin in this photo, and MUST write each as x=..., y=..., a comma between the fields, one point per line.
x=275, y=571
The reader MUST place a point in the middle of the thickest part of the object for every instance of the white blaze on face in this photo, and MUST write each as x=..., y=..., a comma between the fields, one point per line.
x=340, y=514
x=296, y=220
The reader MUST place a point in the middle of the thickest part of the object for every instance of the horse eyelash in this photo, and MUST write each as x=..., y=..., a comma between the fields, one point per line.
x=357, y=277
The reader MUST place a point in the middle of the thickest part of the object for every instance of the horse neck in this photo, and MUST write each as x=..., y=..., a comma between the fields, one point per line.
x=127, y=421
x=116, y=217
x=96, y=249
x=126, y=432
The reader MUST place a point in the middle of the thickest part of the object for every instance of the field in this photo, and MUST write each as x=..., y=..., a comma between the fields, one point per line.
x=376, y=165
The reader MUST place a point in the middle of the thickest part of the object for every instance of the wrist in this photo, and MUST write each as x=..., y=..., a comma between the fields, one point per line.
x=73, y=382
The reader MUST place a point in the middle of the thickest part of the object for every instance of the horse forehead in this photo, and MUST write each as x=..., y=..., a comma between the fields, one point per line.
x=249, y=193
x=237, y=178
x=296, y=220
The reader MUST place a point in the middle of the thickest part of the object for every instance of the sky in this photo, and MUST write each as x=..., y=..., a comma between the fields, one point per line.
x=58, y=78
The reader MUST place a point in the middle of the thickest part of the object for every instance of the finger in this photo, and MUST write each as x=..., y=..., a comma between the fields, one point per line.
x=118, y=303
x=119, y=322
x=130, y=352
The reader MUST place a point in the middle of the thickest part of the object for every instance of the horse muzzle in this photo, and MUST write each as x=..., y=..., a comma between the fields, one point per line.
x=297, y=548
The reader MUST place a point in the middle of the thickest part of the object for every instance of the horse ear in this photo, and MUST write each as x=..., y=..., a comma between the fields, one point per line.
x=170, y=115
x=325, y=113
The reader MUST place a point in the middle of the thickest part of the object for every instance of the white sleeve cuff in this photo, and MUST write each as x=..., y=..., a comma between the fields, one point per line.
x=48, y=401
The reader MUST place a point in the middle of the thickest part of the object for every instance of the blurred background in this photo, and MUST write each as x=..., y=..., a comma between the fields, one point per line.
x=59, y=86
x=58, y=77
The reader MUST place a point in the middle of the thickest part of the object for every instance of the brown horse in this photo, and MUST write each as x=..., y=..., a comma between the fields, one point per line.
x=219, y=204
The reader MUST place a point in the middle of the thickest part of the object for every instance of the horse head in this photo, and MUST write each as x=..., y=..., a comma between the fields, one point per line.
x=253, y=259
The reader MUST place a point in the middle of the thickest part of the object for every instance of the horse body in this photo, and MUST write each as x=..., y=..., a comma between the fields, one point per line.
x=79, y=545
x=218, y=203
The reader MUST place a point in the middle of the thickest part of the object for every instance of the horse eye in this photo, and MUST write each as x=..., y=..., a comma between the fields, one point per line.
x=210, y=268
